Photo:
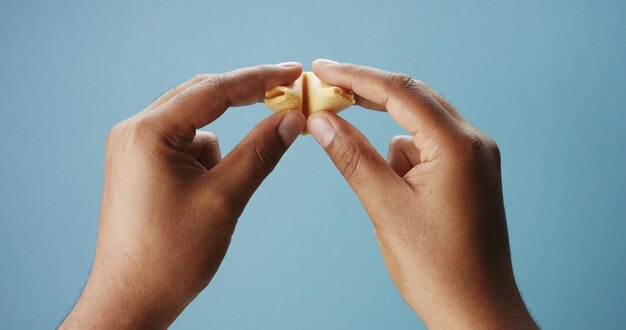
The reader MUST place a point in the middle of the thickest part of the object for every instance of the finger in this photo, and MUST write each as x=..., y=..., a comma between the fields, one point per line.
x=445, y=103
x=365, y=103
x=205, y=149
x=402, y=155
x=361, y=165
x=167, y=95
x=403, y=98
x=253, y=159
x=206, y=100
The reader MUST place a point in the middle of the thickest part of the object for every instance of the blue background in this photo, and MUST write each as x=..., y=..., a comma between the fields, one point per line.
x=546, y=80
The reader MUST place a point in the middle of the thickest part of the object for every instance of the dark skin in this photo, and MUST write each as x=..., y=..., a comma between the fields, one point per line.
x=171, y=203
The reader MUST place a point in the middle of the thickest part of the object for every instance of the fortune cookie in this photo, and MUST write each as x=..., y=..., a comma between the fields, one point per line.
x=308, y=94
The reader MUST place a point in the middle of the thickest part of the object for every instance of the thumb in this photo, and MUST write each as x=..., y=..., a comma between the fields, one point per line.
x=254, y=158
x=361, y=165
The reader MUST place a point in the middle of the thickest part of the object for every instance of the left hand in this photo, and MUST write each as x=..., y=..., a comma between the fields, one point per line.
x=170, y=202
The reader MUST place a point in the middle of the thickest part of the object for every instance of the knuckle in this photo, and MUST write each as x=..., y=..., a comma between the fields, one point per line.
x=257, y=81
x=200, y=77
x=358, y=70
x=117, y=130
x=138, y=127
x=479, y=147
x=135, y=132
x=420, y=84
x=395, y=141
x=493, y=148
x=221, y=80
x=350, y=159
x=395, y=144
x=218, y=82
x=215, y=80
x=213, y=145
x=401, y=81
x=212, y=140
x=248, y=83
x=138, y=131
x=471, y=146
x=398, y=140
x=262, y=160
x=167, y=94
x=115, y=134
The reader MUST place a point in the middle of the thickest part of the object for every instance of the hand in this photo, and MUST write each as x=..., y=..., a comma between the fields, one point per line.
x=171, y=203
x=436, y=203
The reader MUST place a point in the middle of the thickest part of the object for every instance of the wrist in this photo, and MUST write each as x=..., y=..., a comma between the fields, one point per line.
x=110, y=303
x=504, y=309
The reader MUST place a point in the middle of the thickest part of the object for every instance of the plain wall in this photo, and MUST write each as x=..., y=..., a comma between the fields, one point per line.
x=546, y=79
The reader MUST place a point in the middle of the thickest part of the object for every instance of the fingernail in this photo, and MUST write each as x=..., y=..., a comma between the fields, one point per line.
x=322, y=130
x=290, y=127
x=288, y=64
x=325, y=61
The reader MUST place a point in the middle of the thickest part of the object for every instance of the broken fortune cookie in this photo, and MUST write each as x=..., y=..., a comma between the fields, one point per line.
x=308, y=94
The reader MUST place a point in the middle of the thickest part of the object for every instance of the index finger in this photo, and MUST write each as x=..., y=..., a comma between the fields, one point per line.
x=207, y=99
x=407, y=101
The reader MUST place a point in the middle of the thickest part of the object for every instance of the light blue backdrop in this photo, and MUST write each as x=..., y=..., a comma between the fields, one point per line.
x=546, y=79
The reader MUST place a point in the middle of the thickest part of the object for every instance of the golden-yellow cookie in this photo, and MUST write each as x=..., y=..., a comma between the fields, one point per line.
x=308, y=94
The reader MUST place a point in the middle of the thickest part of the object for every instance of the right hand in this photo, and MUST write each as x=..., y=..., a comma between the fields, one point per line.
x=436, y=203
